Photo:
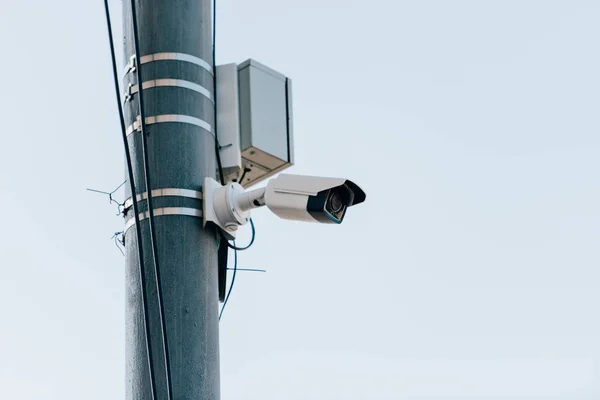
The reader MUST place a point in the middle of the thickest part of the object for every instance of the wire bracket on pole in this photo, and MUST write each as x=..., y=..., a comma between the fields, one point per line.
x=128, y=95
x=130, y=67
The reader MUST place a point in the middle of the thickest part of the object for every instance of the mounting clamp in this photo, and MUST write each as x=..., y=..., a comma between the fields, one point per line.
x=222, y=206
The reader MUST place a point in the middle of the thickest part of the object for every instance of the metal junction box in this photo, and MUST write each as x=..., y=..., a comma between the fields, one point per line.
x=254, y=121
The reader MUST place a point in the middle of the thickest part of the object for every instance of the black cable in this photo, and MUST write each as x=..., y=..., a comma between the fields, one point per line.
x=249, y=244
x=218, y=151
x=241, y=180
x=217, y=145
x=136, y=216
x=146, y=155
x=214, y=59
x=232, y=282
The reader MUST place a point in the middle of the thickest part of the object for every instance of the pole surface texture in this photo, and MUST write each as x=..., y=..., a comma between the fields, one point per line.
x=181, y=151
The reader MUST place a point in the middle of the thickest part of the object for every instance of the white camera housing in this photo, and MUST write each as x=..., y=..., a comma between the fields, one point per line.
x=293, y=197
x=312, y=198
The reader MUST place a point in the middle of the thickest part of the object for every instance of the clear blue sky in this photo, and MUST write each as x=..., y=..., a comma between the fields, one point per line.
x=471, y=272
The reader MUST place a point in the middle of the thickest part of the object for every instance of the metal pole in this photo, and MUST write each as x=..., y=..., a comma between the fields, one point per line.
x=175, y=52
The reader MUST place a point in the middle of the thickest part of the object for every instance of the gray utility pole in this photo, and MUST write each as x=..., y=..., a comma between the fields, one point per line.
x=175, y=53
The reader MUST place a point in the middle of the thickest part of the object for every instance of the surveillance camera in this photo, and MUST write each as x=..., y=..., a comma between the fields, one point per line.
x=293, y=197
x=311, y=198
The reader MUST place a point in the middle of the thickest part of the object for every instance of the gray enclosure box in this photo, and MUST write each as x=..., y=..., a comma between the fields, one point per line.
x=262, y=143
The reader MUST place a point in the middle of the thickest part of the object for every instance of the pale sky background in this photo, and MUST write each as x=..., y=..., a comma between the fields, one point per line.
x=471, y=272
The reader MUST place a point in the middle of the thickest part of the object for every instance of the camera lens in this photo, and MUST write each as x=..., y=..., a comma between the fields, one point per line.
x=336, y=202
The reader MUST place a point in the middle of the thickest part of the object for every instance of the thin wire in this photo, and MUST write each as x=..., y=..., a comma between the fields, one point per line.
x=214, y=59
x=248, y=269
x=117, y=241
x=235, y=260
x=110, y=198
x=109, y=193
x=138, y=229
x=119, y=187
x=249, y=244
x=146, y=156
x=97, y=191
x=119, y=247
